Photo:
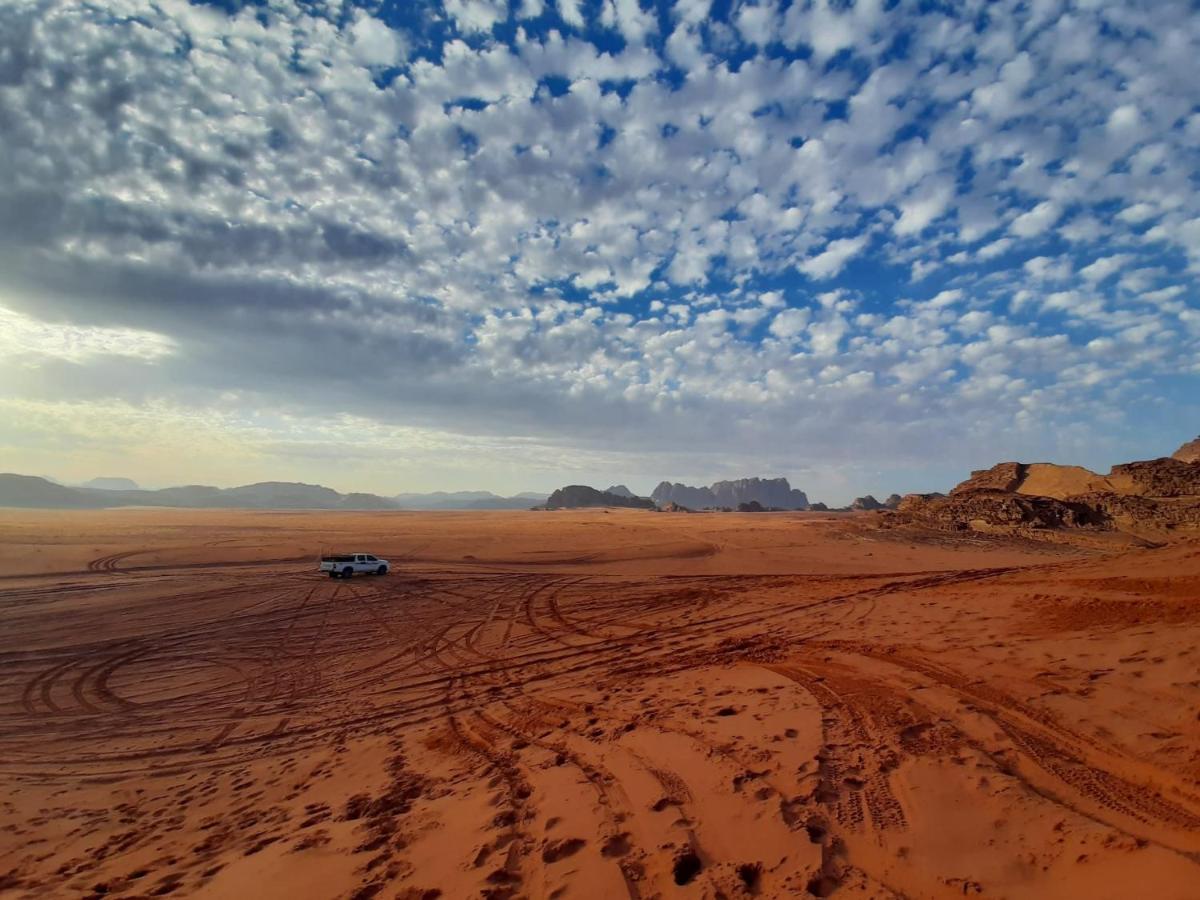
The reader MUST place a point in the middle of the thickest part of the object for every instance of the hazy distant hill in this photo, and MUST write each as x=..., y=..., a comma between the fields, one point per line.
x=621, y=491
x=770, y=493
x=468, y=500
x=366, y=501
x=31, y=491
x=575, y=496
x=112, y=484
x=283, y=495
x=35, y=492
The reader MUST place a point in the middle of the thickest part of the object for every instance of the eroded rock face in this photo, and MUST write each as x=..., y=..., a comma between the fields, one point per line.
x=1140, y=514
x=771, y=493
x=1166, y=477
x=1005, y=476
x=1189, y=452
x=577, y=496
x=1144, y=497
x=867, y=502
x=986, y=510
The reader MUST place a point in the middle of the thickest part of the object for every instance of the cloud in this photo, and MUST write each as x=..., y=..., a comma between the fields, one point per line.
x=375, y=44
x=1104, y=267
x=757, y=22
x=1036, y=220
x=790, y=323
x=500, y=218
x=1124, y=120
x=531, y=9
x=477, y=15
x=1137, y=213
x=570, y=12
x=833, y=258
x=28, y=340
x=923, y=207
x=631, y=20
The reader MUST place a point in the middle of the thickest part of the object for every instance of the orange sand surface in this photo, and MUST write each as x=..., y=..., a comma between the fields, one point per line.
x=591, y=704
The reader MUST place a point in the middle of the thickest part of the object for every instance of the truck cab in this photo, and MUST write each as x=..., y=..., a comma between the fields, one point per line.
x=345, y=565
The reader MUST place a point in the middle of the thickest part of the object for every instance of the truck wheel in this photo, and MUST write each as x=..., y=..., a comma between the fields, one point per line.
x=333, y=573
x=347, y=572
x=382, y=570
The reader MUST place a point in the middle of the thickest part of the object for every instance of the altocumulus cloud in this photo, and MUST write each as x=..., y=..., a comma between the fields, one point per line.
x=683, y=240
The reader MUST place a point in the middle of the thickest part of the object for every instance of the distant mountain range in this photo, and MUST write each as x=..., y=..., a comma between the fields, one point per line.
x=468, y=500
x=770, y=493
x=32, y=491
x=112, y=484
x=37, y=492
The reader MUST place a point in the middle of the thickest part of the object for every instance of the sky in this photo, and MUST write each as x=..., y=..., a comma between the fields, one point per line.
x=394, y=246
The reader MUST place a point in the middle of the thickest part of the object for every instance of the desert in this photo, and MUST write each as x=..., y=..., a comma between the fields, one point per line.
x=588, y=449
x=592, y=703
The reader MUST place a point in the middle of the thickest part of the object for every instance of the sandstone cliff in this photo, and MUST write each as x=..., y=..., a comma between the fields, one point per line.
x=1147, y=498
x=770, y=493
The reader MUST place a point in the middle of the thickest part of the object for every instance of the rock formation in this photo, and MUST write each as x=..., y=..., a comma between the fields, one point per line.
x=1189, y=452
x=1146, y=497
x=1005, y=476
x=990, y=510
x=576, y=496
x=867, y=502
x=770, y=493
x=1163, y=477
x=620, y=490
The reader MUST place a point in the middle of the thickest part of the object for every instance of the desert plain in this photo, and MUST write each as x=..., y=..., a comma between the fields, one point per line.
x=592, y=704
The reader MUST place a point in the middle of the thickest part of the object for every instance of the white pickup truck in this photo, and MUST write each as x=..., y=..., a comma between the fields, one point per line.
x=343, y=565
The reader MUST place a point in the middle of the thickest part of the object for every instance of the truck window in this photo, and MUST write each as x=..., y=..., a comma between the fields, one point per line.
x=370, y=558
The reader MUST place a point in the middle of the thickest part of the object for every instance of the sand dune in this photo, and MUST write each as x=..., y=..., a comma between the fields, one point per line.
x=591, y=704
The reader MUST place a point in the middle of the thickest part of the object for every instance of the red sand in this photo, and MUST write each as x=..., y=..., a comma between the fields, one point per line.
x=591, y=704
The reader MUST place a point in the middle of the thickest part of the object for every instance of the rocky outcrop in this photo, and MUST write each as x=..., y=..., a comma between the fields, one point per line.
x=693, y=497
x=620, y=490
x=1167, y=477
x=867, y=502
x=893, y=501
x=1005, y=476
x=1143, y=514
x=770, y=493
x=997, y=510
x=752, y=506
x=580, y=496
x=1189, y=452
x=1143, y=498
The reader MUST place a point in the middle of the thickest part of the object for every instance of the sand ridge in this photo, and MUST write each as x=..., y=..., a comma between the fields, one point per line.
x=591, y=704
